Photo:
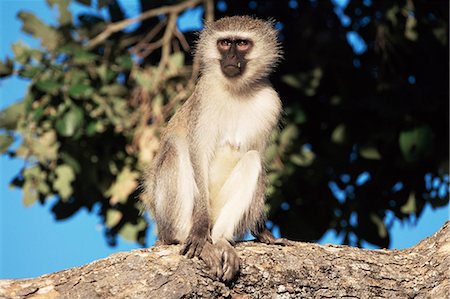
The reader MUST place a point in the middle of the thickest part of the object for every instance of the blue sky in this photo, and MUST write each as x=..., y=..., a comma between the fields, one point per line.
x=32, y=243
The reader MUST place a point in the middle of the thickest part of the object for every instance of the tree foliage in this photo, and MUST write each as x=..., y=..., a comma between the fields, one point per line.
x=364, y=85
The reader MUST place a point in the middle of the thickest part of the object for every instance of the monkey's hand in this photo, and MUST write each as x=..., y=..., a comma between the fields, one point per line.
x=267, y=238
x=194, y=244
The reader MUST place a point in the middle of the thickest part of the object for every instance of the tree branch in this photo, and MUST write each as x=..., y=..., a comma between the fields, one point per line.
x=300, y=271
x=115, y=27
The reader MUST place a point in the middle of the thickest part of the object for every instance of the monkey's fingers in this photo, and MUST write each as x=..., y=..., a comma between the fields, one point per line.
x=193, y=247
x=185, y=247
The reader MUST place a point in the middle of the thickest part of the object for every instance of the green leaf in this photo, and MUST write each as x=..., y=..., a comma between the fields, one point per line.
x=65, y=17
x=30, y=194
x=307, y=82
x=410, y=28
x=130, y=232
x=126, y=62
x=71, y=122
x=76, y=76
x=113, y=217
x=50, y=38
x=410, y=206
x=34, y=182
x=21, y=52
x=440, y=33
x=63, y=182
x=11, y=115
x=370, y=153
x=105, y=73
x=416, y=143
x=48, y=86
x=80, y=91
x=271, y=152
x=291, y=80
x=38, y=113
x=382, y=231
x=45, y=147
x=6, y=68
x=91, y=129
x=287, y=135
x=300, y=116
x=30, y=71
x=114, y=90
x=305, y=158
x=391, y=14
x=126, y=182
x=176, y=60
x=338, y=135
x=145, y=78
x=5, y=142
x=71, y=161
x=84, y=57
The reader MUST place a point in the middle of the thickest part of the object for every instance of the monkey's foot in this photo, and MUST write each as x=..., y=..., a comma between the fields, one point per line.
x=266, y=237
x=230, y=261
x=213, y=260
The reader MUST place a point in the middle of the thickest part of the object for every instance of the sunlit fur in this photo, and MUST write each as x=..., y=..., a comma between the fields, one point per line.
x=207, y=182
x=262, y=58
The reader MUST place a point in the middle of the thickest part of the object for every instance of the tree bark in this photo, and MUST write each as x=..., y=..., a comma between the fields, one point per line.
x=267, y=271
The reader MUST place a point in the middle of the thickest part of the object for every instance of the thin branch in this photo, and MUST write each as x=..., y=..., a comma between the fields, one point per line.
x=115, y=27
x=150, y=48
x=141, y=45
x=165, y=50
x=209, y=10
x=182, y=39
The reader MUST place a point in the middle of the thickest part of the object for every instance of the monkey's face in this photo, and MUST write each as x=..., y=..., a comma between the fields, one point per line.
x=240, y=49
x=233, y=52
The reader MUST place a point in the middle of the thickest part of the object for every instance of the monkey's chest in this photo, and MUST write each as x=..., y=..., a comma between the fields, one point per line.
x=240, y=129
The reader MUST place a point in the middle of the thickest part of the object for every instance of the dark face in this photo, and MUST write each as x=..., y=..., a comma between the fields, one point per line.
x=233, y=53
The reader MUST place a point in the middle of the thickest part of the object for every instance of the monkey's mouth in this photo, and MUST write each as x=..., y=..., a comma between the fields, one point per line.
x=231, y=70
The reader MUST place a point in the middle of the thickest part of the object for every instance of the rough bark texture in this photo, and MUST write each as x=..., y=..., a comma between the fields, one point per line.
x=299, y=271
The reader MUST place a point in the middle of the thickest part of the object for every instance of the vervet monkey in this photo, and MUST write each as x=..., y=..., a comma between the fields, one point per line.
x=206, y=187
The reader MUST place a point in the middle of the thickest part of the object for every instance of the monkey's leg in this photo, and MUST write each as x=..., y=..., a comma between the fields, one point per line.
x=236, y=194
x=174, y=192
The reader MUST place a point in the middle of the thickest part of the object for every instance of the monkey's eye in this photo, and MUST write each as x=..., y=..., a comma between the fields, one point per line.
x=243, y=45
x=225, y=44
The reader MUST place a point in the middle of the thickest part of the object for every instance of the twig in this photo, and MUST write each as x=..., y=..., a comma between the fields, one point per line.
x=170, y=9
x=182, y=39
x=150, y=48
x=165, y=49
x=209, y=10
x=148, y=37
